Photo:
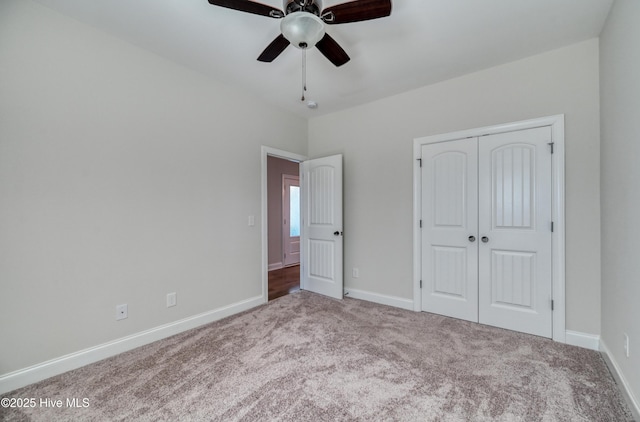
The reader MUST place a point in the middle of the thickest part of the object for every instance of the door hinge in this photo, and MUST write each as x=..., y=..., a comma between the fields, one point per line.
x=420, y=161
x=551, y=145
x=421, y=284
x=552, y=227
x=420, y=223
x=552, y=304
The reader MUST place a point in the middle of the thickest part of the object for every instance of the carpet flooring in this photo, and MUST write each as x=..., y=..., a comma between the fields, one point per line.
x=305, y=357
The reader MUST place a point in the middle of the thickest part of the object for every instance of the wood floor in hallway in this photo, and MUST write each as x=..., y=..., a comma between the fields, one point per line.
x=284, y=281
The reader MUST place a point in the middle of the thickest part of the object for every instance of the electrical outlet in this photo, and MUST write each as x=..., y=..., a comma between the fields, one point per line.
x=122, y=312
x=626, y=344
x=171, y=299
x=355, y=273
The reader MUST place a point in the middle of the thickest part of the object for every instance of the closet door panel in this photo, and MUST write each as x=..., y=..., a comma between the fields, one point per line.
x=449, y=227
x=515, y=278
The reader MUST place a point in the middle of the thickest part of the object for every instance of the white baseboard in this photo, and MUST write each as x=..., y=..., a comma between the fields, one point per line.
x=41, y=371
x=397, y=302
x=274, y=266
x=614, y=368
x=584, y=340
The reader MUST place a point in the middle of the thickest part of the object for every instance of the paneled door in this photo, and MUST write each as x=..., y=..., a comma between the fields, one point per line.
x=290, y=219
x=449, y=227
x=515, y=231
x=321, y=210
x=486, y=235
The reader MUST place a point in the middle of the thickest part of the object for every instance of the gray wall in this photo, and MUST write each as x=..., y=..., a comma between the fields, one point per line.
x=276, y=168
x=620, y=113
x=123, y=177
x=377, y=140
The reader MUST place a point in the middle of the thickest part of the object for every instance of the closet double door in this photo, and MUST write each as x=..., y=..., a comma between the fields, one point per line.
x=486, y=230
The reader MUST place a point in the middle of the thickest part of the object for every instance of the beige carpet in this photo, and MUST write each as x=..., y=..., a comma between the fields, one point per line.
x=304, y=357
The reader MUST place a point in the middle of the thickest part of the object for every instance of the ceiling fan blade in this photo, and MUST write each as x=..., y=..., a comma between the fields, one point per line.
x=249, y=7
x=356, y=11
x=332, y=50
x=274, y=49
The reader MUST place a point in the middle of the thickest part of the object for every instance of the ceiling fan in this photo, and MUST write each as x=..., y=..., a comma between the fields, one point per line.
x=303, y=23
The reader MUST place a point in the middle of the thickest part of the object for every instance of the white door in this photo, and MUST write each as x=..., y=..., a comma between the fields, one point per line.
x=486, y=235
x=290, y=219
x=449, y=228
x=321, y=209
x=515, y=231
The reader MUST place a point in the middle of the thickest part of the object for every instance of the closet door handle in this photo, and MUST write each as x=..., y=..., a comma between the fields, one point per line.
x=472, y=238
x=484, y=239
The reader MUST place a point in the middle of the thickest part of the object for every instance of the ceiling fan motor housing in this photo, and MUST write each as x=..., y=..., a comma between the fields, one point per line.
x=311, y=6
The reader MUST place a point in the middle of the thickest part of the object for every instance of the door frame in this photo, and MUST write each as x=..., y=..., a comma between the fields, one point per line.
x=264, y=153
x=556, y=123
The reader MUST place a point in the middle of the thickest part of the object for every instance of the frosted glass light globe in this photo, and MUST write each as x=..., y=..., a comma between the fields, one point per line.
x=302, y=29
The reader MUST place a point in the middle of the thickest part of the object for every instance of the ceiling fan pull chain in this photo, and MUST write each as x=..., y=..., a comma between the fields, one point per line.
x=304, y=72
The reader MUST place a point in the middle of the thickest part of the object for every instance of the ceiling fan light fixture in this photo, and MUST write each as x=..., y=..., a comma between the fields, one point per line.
x=302, y=29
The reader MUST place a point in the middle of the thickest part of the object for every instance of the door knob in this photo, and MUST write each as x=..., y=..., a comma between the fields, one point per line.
x=484, y=239
x=336, y=233
x=472, y=238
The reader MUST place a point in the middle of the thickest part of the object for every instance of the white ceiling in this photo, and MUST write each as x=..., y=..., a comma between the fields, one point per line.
x=422, y=42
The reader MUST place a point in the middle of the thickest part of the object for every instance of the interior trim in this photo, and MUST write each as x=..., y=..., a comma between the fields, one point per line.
x=50, y=368
x=264, y=153
x=584, y=340
x=623, y=384
x=397, y=302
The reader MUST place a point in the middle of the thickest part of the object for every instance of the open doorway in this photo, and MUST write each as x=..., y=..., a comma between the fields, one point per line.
x=283, y=226
x=321, y=245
